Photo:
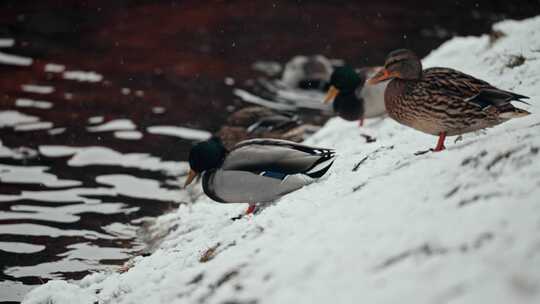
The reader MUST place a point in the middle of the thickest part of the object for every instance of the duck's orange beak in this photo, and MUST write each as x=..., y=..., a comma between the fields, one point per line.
x=331, y=94
x=382, y=75
x=191, y=176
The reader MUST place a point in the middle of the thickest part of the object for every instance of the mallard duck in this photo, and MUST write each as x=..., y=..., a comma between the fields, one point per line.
x=255, y=122
x=256, y=170
x=442, y=101
x=353, y=98
x=307, y=72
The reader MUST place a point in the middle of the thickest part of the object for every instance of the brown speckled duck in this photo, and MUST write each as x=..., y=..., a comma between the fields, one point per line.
x=256, y=122
x=442, y=101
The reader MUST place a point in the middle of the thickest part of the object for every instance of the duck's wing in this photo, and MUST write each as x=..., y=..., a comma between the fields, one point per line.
x=275, y=122
x=238, y=186
x=469, y=89
x=248, y=116
x=275, y=156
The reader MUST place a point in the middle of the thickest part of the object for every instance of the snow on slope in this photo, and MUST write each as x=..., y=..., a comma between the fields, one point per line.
x=386, y=226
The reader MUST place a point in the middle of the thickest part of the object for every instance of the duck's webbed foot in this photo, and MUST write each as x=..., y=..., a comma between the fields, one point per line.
x=252, y=208
x=440, y=143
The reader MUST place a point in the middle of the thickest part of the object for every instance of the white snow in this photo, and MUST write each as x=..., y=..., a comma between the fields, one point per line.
x=39, y=89
x=181, y=132
x=114, y=125
x=83, y=76
x=29, y=103
x=459, y=226
x=10, y=59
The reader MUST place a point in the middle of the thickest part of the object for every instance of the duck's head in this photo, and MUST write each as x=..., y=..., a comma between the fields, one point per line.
x=402, y=64
x=344, y=79
x=204, y=156
x=348, y=106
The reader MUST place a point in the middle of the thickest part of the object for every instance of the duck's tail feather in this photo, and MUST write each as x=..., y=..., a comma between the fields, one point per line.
x=514, y=113
x=495, y=97
x=321, y=166
x=320, y=172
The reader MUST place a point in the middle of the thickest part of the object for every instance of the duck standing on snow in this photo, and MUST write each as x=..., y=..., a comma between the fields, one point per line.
x=442, y=101
x=256, y=170
x=257, y=122
x=353, y=98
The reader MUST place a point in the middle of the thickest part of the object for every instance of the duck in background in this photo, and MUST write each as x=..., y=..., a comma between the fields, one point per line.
x=442, y=101
x=261, y=122
x=256, y=171
x=307, y=72
x=353, y=98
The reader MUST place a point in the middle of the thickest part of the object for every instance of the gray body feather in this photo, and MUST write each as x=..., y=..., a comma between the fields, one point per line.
x=240, y=178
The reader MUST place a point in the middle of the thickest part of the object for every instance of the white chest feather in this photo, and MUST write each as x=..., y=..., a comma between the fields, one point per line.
x=373, y=96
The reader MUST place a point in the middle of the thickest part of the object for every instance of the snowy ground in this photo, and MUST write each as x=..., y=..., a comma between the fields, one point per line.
x=386, y=226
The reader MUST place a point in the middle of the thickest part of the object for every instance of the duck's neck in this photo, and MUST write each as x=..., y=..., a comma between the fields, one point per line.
x=394, y=94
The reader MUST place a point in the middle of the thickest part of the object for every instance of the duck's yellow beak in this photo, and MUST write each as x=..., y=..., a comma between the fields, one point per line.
x=331, y=94
x=191, y=176
x=382, y=75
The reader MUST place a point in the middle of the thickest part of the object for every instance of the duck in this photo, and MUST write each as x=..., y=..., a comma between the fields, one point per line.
x=353, y=98
x=257, y=121
x=307, y=72
x=256, y=171
x=442, y=101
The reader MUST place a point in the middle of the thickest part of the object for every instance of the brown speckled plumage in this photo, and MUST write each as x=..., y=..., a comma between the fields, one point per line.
x=442, y=101
x=260, y=122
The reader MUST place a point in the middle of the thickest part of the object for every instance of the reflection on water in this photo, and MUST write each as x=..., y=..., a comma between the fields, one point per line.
x=100, y=101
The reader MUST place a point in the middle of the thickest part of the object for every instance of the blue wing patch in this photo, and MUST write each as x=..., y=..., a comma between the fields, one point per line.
x=273, y=174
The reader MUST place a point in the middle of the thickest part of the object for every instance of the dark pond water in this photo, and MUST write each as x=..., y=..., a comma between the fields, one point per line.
x=99, y=99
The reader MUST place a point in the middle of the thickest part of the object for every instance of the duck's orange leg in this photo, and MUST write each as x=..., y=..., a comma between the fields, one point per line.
x=440, y=143
x=251, y=209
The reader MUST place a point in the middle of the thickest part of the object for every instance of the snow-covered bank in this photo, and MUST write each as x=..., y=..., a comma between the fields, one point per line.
x=386, y=226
